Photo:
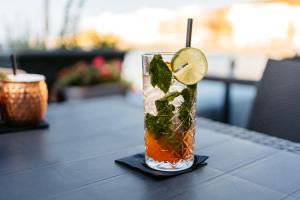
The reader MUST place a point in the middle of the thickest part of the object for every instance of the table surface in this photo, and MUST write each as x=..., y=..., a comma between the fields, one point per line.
x=74, y=159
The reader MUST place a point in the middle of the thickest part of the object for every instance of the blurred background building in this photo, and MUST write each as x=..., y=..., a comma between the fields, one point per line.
x=220, y=26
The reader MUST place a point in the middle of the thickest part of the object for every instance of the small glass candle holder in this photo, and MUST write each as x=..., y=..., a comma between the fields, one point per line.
x=23, y=99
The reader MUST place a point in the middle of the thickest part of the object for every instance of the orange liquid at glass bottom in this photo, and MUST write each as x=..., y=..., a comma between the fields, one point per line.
x=160, y=150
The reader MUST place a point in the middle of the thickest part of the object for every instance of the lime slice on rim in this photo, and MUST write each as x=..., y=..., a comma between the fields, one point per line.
x=189, y=65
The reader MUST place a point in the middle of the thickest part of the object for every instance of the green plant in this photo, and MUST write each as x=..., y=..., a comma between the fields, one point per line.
x=85, y=74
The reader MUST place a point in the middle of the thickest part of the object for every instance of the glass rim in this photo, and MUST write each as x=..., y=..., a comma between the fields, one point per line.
x=35, y=78
x=161, y=53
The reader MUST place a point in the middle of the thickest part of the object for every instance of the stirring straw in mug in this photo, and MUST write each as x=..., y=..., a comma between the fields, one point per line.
x=14, y=63
x=189, y=32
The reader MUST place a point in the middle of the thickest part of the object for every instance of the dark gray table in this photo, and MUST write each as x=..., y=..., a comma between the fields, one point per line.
x=74, y=159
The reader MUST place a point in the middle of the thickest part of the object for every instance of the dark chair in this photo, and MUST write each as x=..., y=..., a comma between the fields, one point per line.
x=276, y=108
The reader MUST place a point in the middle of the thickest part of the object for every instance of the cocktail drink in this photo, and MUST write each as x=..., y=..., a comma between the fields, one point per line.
x=170, y=85
x=23, y=98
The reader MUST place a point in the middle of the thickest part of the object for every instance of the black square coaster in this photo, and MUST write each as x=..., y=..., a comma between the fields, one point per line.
x=137, y=162
x=8, y=128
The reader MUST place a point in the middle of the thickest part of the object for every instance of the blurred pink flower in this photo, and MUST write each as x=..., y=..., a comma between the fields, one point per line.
x=104, y=71
x=98, y=62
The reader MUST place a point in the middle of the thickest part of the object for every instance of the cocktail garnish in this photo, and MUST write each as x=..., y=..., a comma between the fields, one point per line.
x=160, y=74
x=189, y=65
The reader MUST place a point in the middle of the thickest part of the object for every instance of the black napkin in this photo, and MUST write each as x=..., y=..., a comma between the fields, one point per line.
x=8, y=128
x=137, y=162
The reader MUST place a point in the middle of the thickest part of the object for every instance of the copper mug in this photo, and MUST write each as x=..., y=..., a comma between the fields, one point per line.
x=23, y=99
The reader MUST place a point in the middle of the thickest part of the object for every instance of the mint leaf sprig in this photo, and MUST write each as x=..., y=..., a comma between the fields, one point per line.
x=161, y=123
x=160, y=74
x=185, y=108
